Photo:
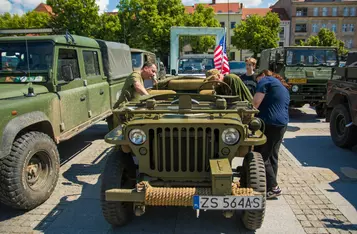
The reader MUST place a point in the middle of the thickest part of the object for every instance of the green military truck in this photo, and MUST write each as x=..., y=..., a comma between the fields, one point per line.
x=306, y=69
x=177, y=147
x=342, y=104
x=57, y=87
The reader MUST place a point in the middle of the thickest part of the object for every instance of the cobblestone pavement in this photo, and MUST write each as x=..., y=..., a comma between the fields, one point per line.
x=74, y=206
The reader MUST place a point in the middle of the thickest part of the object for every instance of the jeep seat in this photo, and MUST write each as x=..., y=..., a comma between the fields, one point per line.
x=156, y=92
x=185, y=84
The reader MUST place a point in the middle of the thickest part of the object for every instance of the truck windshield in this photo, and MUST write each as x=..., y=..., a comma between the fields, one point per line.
x=136, y=60
x=195, y=65
x=25, y=62
x=311, y=57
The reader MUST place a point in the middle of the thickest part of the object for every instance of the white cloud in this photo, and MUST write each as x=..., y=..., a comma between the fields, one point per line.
x=115, y=10
x=5, y=6
x=103, y=5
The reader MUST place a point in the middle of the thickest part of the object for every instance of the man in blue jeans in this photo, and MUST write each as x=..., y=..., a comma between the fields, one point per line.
x=272, y=99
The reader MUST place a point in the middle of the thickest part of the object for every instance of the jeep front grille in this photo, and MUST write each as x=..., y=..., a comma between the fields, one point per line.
x=182, y=149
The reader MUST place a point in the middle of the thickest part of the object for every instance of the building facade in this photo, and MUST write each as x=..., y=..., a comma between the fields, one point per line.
x=309, y=16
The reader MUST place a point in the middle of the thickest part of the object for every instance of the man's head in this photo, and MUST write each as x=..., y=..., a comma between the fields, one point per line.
x=148, y=71
x=214, y=74
x=263, y=74
x=250, y=64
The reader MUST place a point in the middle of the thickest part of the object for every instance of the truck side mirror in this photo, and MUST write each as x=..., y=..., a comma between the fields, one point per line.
x=67, y=73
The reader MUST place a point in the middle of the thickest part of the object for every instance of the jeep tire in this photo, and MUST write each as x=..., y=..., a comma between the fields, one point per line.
x=119, y=173
x=254, y=169
x=29, y=174
x=341, y=135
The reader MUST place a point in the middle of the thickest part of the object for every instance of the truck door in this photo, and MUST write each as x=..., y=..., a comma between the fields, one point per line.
x=98, y=87
x=71, y=89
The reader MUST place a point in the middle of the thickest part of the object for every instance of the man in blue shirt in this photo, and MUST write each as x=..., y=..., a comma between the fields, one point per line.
x=272, y=99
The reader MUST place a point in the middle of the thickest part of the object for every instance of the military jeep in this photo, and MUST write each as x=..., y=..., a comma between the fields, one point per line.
x=176, y=148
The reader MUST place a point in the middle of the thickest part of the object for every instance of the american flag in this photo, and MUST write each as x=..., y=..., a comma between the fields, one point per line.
x=221, y=58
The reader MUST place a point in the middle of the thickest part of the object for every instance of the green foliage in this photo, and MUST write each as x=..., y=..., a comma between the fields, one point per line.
x=28, y=20
x=326, y=37
x=80, y=17
x=202, y=17
x=108, y=27
x=257, y=33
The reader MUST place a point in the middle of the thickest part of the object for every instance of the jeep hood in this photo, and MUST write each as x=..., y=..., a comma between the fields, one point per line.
x=18, y=90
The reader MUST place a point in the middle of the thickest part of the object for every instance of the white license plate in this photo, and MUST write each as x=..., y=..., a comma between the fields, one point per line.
x=227, y=202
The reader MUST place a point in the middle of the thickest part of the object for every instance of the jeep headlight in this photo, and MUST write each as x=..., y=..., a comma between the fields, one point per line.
x=137, y=136
x=230, y=136
x=295, y=88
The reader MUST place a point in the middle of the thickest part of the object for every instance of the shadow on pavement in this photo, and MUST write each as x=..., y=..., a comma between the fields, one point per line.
x=319, y=151
x=331, y=223
x=299, y=116
x=67, y=150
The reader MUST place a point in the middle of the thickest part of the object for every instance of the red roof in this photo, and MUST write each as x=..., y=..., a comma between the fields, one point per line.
x=263, y=11
x=218, y=7
x=44, y=8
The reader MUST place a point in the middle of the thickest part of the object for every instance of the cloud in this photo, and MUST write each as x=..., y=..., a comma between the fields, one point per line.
x=246, y=3
x=5, y=6
x=103, y=5
x=115, y=10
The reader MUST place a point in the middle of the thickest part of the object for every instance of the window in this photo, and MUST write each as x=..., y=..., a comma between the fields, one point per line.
x=91, y=63
x=353, y=11
x=323, y=26
x=352, y=27
x=349, y=43
x=232, y=55
x=219, y=11
x=67, y=57
x=300, y=28
x=282, y=32
x=281, y=43
x=316, y=11
x=222, y=24
x=324, y=11
x=301, y=11
x=344, y=28
x=345, y=11
x=233, y=24
x=314, y=28
x=334, y=11
x=334, y=28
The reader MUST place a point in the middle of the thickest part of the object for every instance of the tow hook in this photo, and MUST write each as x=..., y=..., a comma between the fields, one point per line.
x=349, y=125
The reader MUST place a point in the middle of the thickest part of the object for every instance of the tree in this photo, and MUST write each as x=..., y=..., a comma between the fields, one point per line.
x=34, y=19
x=257, y=33
x=202, y=17
x=79, y=17
x=326, y=37
x=108, y=27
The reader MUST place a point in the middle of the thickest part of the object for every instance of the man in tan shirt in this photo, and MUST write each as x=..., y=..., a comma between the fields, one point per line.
x=134, y=83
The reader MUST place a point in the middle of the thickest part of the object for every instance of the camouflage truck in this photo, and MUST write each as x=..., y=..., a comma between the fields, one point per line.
x=342, y=104
x=306, y=68
x=176, y=147
x=56, y=87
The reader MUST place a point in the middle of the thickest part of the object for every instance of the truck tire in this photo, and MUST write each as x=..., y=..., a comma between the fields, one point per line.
x=119, y=173
x=255, y=178
x=341, y=135
x=29, y=174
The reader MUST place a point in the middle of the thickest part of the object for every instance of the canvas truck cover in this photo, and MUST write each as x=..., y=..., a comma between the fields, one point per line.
x=116, y=59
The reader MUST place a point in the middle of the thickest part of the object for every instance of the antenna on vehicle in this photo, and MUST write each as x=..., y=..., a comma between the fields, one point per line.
x=30, y=92
x=68, y=37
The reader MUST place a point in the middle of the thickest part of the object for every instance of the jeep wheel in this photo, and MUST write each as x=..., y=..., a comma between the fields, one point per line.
x=341, y=135
x=320, y=110
x=29, y=174
x=119, y=173
x=254, y=170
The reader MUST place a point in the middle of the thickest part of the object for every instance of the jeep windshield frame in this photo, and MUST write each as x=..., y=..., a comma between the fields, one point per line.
x=26, y=61
x=310, y=57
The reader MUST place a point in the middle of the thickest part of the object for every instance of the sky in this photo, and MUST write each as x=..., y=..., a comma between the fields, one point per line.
x=21, y=6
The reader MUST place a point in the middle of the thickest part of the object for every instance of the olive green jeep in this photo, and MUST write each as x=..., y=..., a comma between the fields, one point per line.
x=51, y=88
x=176, y=146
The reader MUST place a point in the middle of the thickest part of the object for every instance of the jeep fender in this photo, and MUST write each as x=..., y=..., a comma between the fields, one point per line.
x=19, y=123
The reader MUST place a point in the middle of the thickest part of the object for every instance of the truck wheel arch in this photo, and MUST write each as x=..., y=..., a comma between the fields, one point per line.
x=30, y=121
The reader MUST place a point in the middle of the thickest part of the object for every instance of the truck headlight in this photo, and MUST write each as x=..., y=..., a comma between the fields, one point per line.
x=137, y=136
x=295, y=88
x=230, y=136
